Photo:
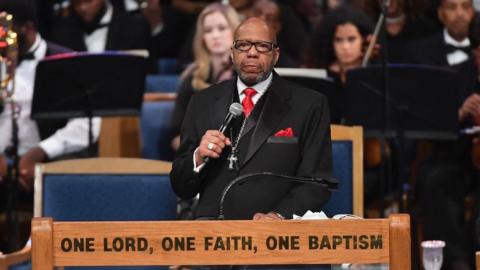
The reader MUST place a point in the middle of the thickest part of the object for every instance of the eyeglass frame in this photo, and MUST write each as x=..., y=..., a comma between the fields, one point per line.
x=254, y=44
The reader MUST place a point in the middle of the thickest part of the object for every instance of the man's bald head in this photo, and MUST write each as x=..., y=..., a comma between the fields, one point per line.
x=256, y=24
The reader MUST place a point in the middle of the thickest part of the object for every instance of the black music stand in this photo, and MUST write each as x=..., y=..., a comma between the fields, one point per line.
x=315, y=79
x=423, y=102
x=89, y=84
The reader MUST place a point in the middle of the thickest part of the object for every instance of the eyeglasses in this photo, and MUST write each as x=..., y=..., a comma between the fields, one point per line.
x=260, y=46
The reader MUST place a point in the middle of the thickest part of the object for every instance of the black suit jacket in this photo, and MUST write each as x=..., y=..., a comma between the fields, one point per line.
x=125, y=32
x=433, y=51
x=308, y=153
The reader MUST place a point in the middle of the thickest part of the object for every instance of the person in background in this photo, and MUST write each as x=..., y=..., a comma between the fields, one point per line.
x=339, y=44
x=96, y=26
x=448, y=175
x=166, y=37
x=309, y=12
x=340, y=47
x=291, y=34
x=212, y=41
x=405, y=23
x=39, y=141
x=243, y=7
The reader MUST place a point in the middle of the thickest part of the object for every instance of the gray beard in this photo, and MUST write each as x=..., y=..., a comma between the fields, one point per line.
x=260, y=78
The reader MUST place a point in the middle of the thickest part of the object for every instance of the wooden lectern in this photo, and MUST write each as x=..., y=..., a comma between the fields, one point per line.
x=289, y=242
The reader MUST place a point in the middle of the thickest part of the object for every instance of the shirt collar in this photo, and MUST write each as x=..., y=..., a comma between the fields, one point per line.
x=39, y=47
x=107, y=17
x=260, y=87
x=451, y=41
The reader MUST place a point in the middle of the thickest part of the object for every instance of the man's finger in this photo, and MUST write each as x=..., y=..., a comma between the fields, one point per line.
x=258, y=216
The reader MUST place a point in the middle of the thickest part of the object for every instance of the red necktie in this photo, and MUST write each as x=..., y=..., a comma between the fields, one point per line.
x=247, y=101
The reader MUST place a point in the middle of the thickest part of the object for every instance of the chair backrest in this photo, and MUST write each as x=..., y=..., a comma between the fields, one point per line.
x=104, y=189
x=155, y=129
x=119, y=137
x=161, y=83
x=167, y=66
x=292, y=242
x=347, y=151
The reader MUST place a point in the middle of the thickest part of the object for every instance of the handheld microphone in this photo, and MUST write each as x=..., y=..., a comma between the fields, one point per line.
x=328, y=183
x=235, y=110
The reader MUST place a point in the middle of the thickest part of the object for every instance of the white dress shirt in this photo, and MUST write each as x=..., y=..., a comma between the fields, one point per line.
x=457, y=56
x=131, y=5
x=71, y=138
x=97, y=40
x=260, y=87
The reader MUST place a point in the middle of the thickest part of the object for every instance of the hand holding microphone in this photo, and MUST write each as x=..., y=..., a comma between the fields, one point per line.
x=214, y=141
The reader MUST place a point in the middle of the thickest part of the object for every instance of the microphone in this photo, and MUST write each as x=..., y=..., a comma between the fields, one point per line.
x=235, y=110
x=329, y=183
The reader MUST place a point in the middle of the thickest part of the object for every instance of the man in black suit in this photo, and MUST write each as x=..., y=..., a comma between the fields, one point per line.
x=285, y=129
x=38, y=140
x=447, y=176
x=450, y=48
x=96, y=26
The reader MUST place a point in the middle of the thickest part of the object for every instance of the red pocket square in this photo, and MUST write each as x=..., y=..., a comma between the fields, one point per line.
x=288, y=132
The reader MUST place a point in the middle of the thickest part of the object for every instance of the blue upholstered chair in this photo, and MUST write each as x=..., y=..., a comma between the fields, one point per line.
x=161, y=83
x=104, y=189
x=347, y=148
x=155, y=129
x=167, y=66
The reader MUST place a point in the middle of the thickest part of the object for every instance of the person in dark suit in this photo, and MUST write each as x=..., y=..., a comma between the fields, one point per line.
x=404, y=23
x=451, y=48
x=96, y=26
x=284, y=129
x=447, y=176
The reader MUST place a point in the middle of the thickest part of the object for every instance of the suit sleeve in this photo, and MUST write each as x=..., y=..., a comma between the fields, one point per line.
x=71, y=138
x=185, y=182
x=316, y=161
x=185, y=92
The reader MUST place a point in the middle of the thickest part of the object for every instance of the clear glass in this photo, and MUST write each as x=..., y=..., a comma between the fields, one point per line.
x=432, y=254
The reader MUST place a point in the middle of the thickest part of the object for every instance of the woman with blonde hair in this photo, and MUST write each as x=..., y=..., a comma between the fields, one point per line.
x=211, y=47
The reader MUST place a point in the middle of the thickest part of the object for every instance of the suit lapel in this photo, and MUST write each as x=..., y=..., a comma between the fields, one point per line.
x=223, y=98
x=113, y=32
x=443, y=50
x=76, y=36
x=274, y=110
